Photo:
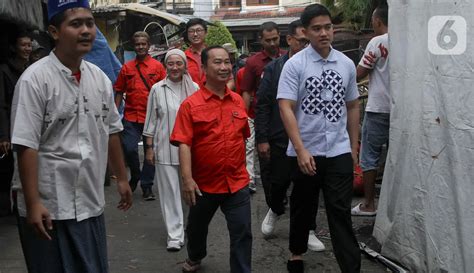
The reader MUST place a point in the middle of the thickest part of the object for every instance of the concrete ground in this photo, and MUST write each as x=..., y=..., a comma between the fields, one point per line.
x=137, y=241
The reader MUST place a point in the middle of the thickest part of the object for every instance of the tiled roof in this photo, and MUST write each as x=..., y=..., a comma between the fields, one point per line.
x=236, y=14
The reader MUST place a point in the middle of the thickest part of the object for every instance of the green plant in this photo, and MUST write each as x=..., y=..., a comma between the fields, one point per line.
x=356, y=12
x=218, y=34
x=334, y=9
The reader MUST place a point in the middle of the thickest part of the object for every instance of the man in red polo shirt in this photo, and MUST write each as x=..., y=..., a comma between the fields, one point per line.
x=211, y=128
x=195, y=36
x=270, y=40
x=135, y=80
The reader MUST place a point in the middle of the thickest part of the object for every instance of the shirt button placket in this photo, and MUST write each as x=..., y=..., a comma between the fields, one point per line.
x=225, y=127
x=82, y=143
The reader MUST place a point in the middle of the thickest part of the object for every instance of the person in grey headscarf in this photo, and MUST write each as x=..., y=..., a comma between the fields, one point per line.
x=163, y=104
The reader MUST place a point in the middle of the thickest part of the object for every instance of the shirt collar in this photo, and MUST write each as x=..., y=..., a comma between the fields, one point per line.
x=192, y=51
x=207, y=94
x=265, y=55
x=61, y=66
x=145, y=61
x=166, y=82
x=317, y=58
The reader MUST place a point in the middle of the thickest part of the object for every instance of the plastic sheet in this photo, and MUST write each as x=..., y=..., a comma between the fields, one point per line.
x=425, y=213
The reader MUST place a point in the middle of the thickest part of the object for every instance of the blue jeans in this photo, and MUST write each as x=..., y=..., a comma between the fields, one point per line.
x=236, y=208
x=131, y=135
x=375, y=129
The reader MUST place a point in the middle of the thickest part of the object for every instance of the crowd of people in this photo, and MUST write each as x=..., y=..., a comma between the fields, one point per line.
x=205, y=121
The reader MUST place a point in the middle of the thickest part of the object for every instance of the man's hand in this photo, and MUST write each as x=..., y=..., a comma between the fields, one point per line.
x=125, y=195
x=306, y=162
x=150, y=156
x=264, y=150
x=38, y=216
x=190, y=189
x=5, y=147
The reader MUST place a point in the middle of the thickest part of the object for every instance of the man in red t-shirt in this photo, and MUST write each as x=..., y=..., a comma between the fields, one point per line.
x=270, y=41
x=210, y=130
x=195, y=36
x=135, y=80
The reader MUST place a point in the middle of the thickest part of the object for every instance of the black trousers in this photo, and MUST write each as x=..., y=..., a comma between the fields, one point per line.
x=334, y=176
x=278, y=179
x=279, y=176
x=6, y=174
x=7, y=166
x=236, y=208
x=265, y=172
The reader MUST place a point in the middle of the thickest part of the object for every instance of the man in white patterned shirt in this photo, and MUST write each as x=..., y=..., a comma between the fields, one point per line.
x=319, y=106
x=64, y=126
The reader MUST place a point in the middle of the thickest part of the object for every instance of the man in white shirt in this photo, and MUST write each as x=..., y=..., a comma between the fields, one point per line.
x=376, y=125
x=64, y=124
x=319, y=107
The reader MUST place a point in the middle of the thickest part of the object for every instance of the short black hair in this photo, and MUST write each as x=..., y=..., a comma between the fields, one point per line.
x=13, y=39
x=205, y=53
x=193, y=22
x=267, y=26
x=22, y=33
x=293, y=26
x=313, y=11
x=381, y=12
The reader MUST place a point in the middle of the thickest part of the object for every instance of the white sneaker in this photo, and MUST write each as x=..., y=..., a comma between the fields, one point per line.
x=252, y=187
x=174, y=246
x=314, y=244
x=268, y=224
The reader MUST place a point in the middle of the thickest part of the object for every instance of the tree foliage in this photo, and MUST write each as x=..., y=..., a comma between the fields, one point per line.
x=355, y=12
x=218, y=34
x=335, y=10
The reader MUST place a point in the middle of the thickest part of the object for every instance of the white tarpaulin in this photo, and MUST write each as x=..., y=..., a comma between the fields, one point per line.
x=426, y=209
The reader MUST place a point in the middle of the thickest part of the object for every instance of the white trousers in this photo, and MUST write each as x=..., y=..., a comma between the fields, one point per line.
x=250, y=151
x=168, y=181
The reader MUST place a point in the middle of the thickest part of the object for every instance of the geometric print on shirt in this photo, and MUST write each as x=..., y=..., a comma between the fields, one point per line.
x=324, y=94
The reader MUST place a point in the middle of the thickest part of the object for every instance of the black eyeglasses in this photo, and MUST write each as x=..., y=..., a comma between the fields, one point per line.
x=197, y=30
